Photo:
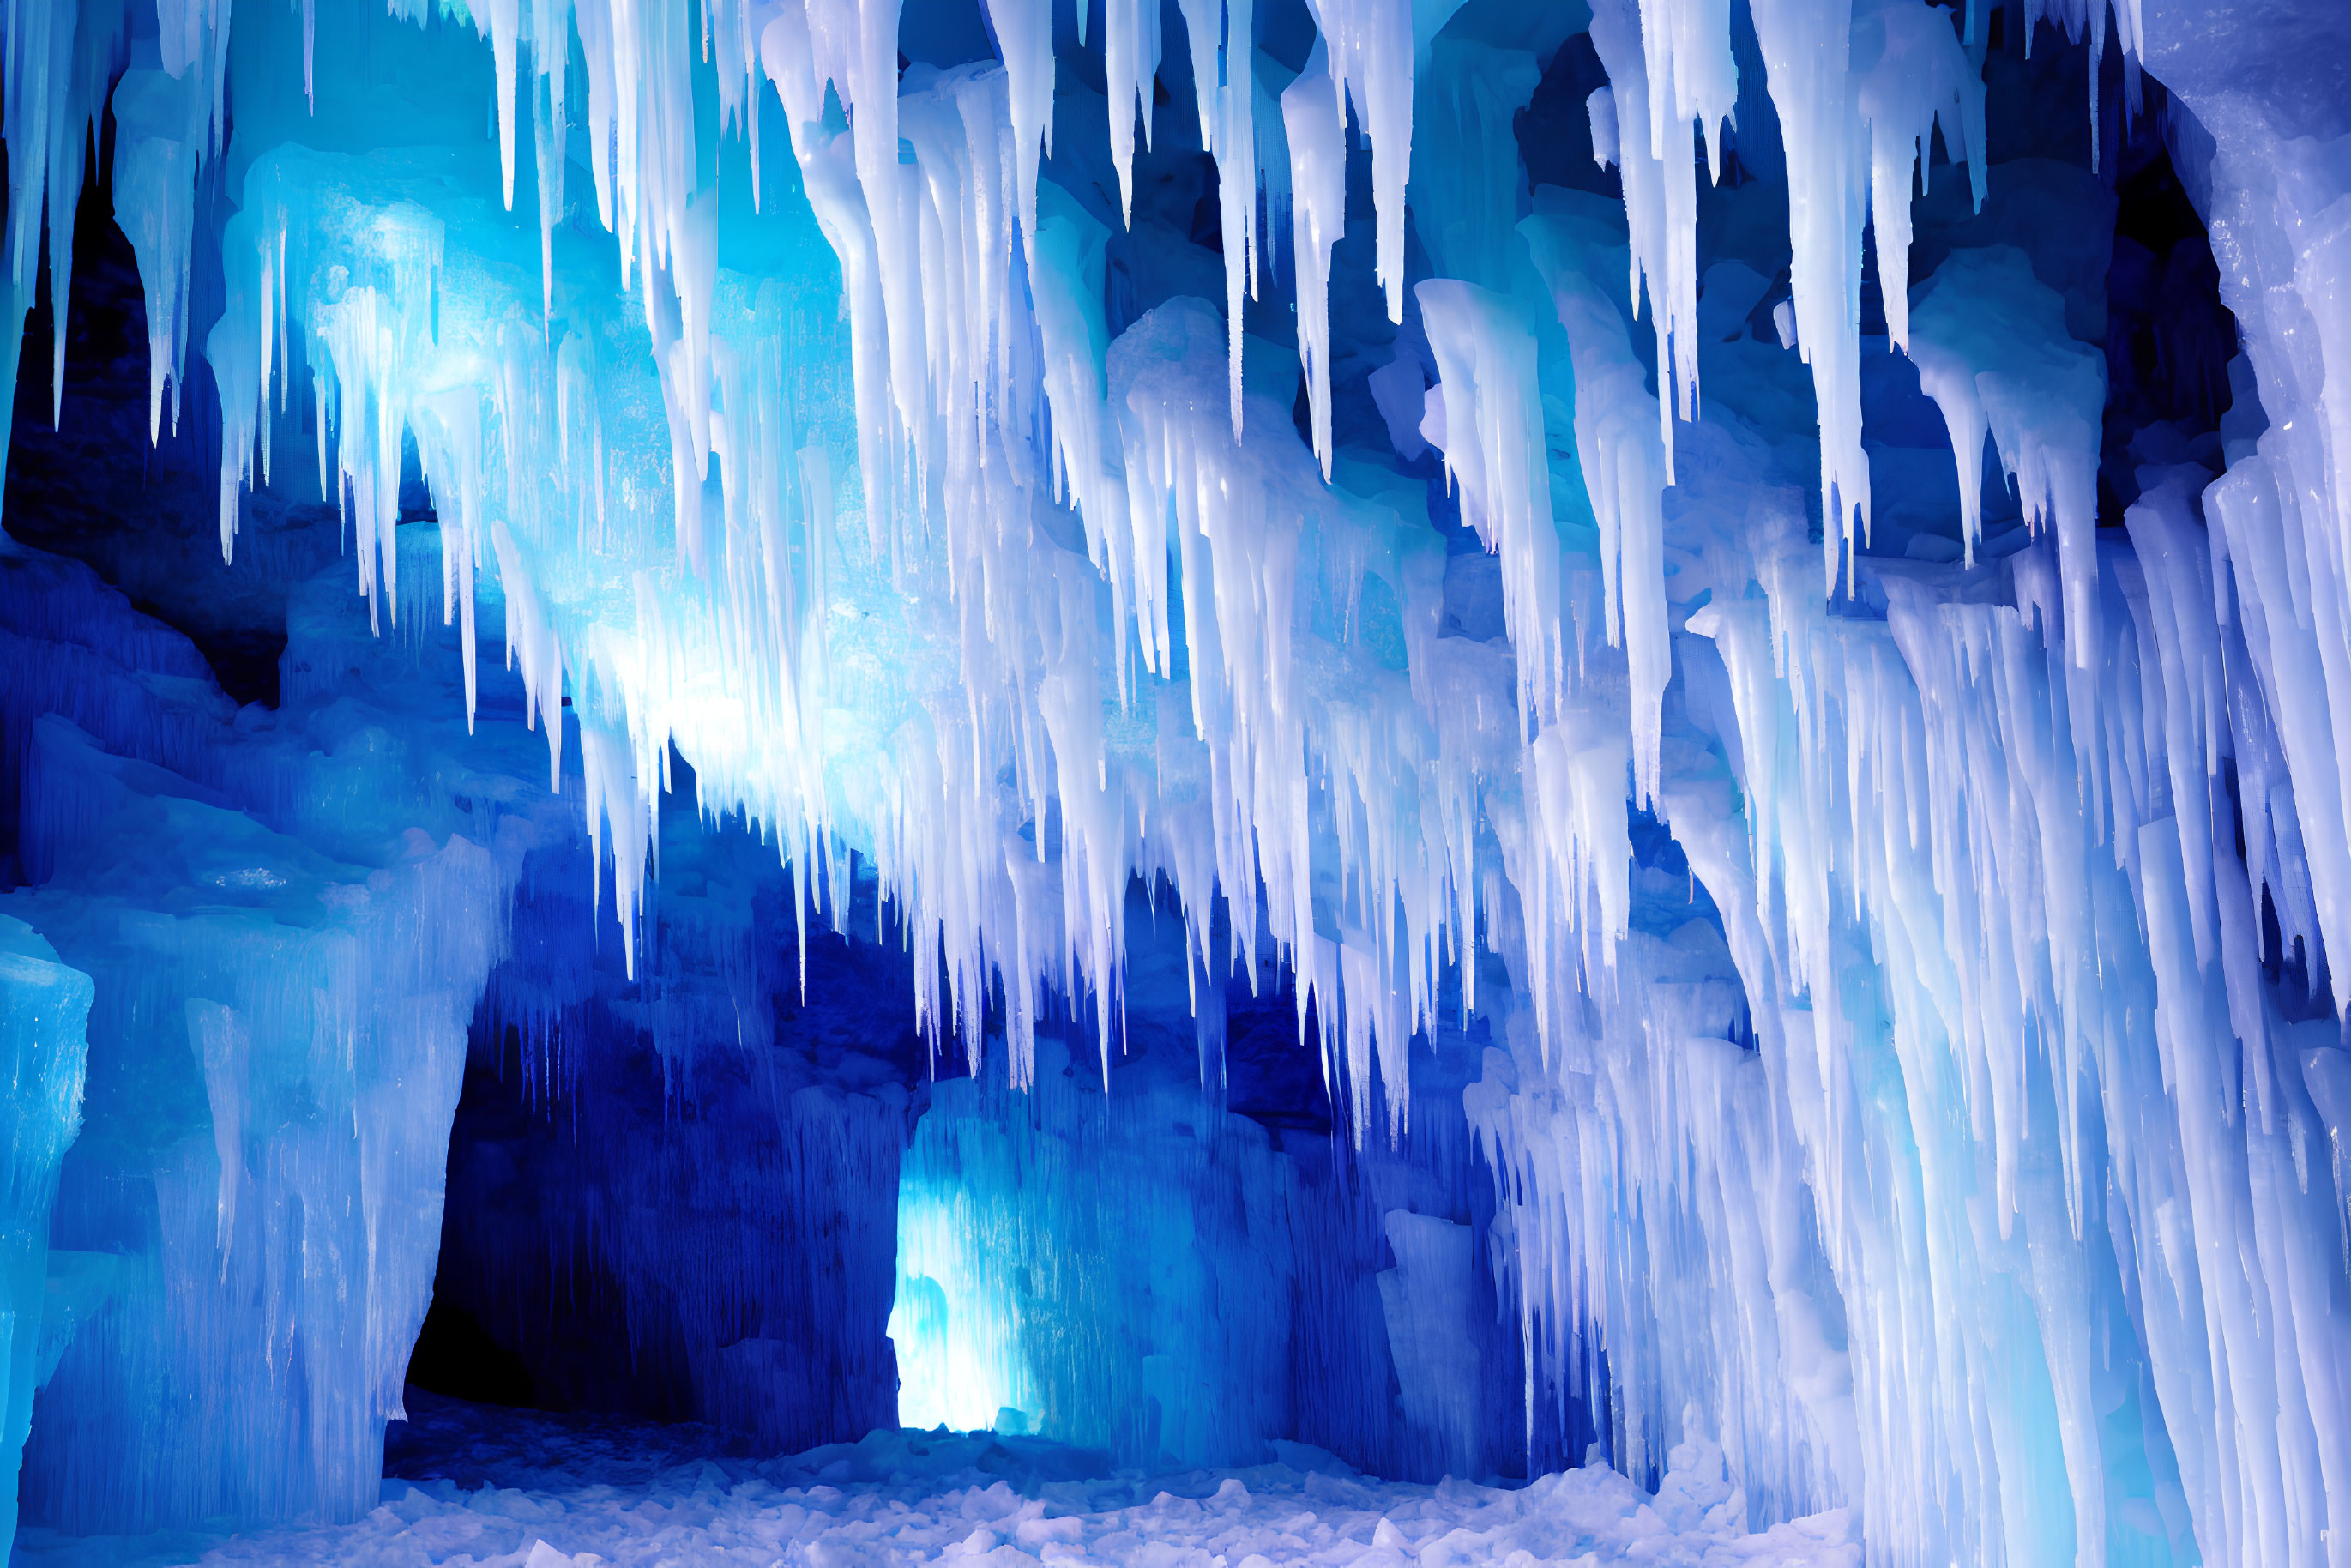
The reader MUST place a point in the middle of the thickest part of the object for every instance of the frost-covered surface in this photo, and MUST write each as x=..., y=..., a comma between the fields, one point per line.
x=480, y=1487
x=1972, y=1158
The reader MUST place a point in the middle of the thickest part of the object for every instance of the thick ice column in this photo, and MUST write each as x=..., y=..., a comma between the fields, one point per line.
x=1896, y=1284
x=1718, y=1316
x=2273, y=190
x=1492, y=435
x=1627, y=465
x=2259, y=1330
x=276, y=1188
x=2013, y=1004
x=2294, y=800
x=280, y=1030
x=43, y=1010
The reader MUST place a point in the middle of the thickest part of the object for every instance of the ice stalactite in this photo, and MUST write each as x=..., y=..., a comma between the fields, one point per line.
x=2275, y=191
x=61, y=62
x=1626, y=466
x=1377, y=49
x=1666, y=68
x=1991, y=345
x=1947, y=1125
x=1275, y=724
x=1857, y=88
x=1315, y=132
x=1487, y=419
x=159, y=137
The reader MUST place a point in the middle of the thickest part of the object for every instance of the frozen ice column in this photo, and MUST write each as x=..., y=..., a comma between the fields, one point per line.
x=280, y=1040
x=43, y=1009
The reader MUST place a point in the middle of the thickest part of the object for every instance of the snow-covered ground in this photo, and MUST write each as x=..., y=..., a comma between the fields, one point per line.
x=476, y=1486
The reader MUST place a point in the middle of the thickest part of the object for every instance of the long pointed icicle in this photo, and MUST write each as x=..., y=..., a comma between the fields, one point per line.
x=1972, y=968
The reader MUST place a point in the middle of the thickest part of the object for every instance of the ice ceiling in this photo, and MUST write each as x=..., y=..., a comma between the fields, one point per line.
x=1370, y=474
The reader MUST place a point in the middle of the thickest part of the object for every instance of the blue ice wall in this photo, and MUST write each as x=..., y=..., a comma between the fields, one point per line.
x=286, y=927
x=44, y=1011
x=1748, y=600
x=1112, y=1269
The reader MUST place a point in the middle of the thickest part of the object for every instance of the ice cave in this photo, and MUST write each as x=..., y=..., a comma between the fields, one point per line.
x=1193, y=783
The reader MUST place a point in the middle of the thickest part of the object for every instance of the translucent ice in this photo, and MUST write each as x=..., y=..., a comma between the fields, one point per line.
x=1902, y=905
x=43, y=1009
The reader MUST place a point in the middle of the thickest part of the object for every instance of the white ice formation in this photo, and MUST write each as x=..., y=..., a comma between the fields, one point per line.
x=854, y=429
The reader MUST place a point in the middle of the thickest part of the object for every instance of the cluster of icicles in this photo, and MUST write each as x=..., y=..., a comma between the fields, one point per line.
x=887, y=538
x=983, y=394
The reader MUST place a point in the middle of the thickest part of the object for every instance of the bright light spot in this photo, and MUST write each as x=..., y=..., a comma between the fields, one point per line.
x=956, y=1323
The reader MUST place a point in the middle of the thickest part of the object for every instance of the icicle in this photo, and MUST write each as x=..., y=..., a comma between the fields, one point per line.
x=501, y=22
x=1131, y=44
x=158, y=144
x=1623, y=462
x=1669, y=66
x=1318, y=194
x=1373, y=49
x=1024, y=32
x=1491, y=437
x=1913, y=79
x=1806, y=49
x=1992, y=351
